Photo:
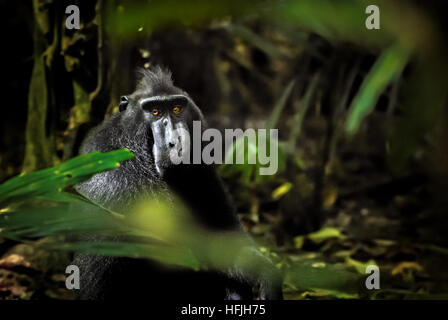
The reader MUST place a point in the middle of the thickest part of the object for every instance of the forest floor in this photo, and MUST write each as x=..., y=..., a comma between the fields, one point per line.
x=322, y=265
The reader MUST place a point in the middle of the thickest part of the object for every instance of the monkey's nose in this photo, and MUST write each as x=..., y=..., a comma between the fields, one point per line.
x=165, y=122
x=171, y=144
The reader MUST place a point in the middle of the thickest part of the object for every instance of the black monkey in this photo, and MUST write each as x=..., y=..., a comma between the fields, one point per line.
x=145, y=125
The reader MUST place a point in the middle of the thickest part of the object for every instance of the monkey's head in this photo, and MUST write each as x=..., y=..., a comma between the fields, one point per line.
x=166, y=112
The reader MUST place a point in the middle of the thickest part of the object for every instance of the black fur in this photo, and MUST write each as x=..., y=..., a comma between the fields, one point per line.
x=197, y=185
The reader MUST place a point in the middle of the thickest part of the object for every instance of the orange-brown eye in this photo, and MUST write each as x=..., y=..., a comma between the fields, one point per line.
x=177, y=110
x=155, y=112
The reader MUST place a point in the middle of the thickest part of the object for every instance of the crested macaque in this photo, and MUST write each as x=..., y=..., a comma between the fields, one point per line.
x=145, y=125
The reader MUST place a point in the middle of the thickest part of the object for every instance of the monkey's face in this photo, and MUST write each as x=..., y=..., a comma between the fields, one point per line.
x=169, y=119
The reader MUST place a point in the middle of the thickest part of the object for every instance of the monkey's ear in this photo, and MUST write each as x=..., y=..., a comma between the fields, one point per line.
x=123, y=103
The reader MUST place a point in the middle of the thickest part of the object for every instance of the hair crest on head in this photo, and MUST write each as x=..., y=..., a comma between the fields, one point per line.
x=156, y=78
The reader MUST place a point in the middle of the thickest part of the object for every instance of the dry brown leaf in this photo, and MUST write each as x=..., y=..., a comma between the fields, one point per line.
x=406, y=265
x=330, y=195
x=13, y=260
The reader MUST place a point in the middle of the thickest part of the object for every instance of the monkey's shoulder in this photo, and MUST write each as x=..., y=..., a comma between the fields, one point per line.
x=103, y=137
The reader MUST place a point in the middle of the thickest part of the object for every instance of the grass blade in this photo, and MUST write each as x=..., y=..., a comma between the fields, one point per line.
x=385, y=70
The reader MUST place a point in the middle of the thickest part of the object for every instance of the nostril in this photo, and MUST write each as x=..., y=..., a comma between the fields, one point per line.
x=171, y=144
x=165, y=122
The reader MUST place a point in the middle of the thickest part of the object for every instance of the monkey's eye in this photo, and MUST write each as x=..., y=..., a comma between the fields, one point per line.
x=155, y=112
x=177, y=109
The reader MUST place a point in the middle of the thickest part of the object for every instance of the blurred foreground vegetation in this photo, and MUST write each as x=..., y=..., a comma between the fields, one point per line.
x=361, y=117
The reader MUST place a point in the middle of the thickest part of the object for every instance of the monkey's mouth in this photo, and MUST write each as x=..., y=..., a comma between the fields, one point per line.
x=166, y=158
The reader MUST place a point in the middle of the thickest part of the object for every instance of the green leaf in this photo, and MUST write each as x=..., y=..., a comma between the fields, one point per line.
x=385, y=70
x=301, y=112
x=299, y=241
x=171, y=255
x=57, y=178
x=37, y=206
x=129, y=17
x=279, y=106
x=253, y=39
x=247, y=149
x=281, y=190
x=314, y=275
x=360, y=266
x=324, y=234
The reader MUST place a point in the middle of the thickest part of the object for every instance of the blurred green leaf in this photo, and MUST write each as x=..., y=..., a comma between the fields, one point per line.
x=385, y=70
x=299, y=241
x=246, y=149
x=281, y=190
x=324, y=234
x=125, y=20
x=335, y=20
x=300, y=113
x=253, y=39
x=35, y=205
x=279, y=106
x=360, y=267
x=171, y=255
x=334, y=279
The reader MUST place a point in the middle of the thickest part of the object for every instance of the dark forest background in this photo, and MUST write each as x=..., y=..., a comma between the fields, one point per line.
x=361, y=117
